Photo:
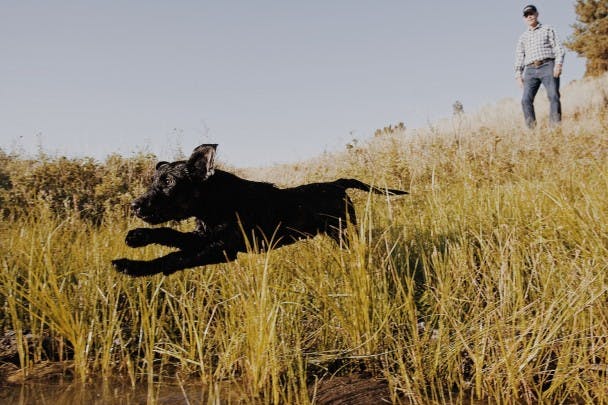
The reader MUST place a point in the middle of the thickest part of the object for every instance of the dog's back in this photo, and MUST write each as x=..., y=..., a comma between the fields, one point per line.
x=270, y=212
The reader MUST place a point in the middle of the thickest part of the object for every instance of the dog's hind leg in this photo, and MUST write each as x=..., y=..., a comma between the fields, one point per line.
x=338, y=228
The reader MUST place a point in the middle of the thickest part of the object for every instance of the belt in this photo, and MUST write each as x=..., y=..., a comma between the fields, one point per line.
x=539, y=63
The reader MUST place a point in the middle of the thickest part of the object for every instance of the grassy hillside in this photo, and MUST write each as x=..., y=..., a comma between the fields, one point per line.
x=490, y=281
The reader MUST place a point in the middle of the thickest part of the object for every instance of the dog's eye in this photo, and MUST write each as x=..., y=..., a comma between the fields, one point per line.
x=167, y=181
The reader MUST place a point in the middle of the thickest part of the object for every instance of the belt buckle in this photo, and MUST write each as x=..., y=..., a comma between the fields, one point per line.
x=538, y=63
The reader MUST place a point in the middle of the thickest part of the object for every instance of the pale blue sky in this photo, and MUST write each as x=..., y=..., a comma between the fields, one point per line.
x=270, y=81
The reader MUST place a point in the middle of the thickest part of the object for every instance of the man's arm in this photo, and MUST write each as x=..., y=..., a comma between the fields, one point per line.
x=558, y=51
x=520, y=55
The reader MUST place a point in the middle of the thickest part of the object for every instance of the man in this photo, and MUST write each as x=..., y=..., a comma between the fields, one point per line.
x=539, y=58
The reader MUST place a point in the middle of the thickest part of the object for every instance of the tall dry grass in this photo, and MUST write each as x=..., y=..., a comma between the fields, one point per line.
x=489, y=282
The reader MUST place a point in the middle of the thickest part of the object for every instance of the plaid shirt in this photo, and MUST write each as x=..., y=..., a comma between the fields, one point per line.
x=537, y=43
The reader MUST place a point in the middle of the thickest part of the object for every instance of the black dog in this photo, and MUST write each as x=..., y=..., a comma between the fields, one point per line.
x=230, y=211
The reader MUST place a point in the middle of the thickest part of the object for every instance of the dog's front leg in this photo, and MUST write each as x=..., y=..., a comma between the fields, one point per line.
x=140, y=237
x=211, y=254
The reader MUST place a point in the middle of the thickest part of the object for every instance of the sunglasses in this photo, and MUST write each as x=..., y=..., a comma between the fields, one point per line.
x=529, y=13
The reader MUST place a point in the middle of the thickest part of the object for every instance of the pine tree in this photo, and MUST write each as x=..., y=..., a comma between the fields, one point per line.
x=590, y=37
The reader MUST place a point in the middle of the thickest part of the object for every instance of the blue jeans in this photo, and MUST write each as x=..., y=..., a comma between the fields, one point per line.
x=533, y=78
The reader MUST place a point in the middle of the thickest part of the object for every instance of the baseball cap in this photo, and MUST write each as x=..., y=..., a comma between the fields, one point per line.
x=530, y=9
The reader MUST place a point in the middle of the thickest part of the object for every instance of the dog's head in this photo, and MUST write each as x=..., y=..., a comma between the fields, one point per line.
x=174, y=187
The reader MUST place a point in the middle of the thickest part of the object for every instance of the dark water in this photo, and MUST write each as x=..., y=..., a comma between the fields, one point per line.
x=118, y=393
x=105, y=393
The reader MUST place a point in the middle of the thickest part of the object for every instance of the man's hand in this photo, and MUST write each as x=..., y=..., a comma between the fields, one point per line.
x=557, y=71
x=520, y=82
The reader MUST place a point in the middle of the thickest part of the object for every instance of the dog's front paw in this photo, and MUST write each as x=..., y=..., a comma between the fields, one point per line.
x=138, y=237
x=129, y=267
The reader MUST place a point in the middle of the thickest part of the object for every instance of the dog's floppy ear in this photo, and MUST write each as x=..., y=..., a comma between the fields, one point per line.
x=161, y=164
x=202, y=160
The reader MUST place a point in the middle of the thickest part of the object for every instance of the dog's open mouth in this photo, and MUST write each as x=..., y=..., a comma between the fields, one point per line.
x=152, y=219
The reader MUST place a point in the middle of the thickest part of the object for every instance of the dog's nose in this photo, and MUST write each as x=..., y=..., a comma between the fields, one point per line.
x=136, y=207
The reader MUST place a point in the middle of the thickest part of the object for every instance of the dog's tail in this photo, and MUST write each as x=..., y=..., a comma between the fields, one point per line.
x=354, y=183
